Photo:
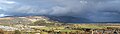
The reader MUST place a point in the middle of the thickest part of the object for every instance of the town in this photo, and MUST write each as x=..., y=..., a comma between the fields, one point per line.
x=43, y=25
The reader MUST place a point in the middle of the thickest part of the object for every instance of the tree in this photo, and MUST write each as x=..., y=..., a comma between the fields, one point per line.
x=39, y=22
x=17, y=32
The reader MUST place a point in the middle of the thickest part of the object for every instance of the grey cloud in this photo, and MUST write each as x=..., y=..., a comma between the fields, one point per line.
x=95, y=10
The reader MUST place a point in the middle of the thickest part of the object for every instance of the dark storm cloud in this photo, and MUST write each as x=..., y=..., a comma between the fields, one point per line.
x=94, y=10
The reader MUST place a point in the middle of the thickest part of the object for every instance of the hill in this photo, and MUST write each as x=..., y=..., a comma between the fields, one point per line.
x=24, y=20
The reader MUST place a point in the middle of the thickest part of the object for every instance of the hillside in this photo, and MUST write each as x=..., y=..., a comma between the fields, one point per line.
x=69, y=19
x=24, y=20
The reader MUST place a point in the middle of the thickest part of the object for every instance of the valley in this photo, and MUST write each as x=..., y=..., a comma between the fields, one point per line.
x=43, y=25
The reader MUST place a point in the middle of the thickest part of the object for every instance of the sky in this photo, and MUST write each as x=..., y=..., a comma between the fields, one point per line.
x=94, y=10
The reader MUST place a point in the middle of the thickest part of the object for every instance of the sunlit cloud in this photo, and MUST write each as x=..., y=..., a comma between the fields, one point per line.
x=3, y=15
x=0, y=8
x=5, y=4
x=9, y=2
x=83, y=2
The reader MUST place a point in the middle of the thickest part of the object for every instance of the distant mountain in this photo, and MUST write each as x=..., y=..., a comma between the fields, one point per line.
x=65, y=19
x=69, y=19
x=25, y=20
